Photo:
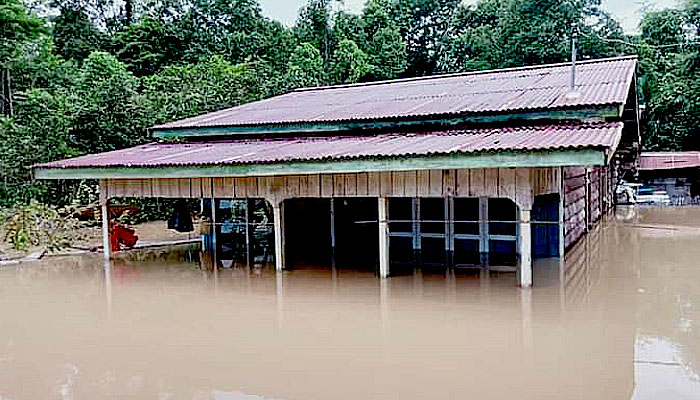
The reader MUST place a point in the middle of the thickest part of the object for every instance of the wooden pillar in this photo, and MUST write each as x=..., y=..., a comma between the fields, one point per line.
x=525, y=244
x=383, y=237
x=562, y=204
x=415, y=229
x=483, y=230
x=106, y=239
x=248, y=221
x=278, y=220
x=104, y=210
x=333, y=229
x=214, y=259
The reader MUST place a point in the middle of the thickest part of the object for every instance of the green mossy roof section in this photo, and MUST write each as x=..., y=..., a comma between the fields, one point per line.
x=537, y=92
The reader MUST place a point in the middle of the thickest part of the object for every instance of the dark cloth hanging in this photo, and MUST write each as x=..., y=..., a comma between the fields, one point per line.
x=181, y=219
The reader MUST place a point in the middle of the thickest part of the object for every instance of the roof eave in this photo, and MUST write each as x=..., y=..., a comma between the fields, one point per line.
x=503, y=159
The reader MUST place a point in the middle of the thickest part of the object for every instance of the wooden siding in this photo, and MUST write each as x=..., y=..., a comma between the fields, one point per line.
x=588, y=196
x=519, y=184
x=575, y=200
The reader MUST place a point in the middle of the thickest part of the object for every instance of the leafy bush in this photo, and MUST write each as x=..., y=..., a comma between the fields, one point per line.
x=38, y=224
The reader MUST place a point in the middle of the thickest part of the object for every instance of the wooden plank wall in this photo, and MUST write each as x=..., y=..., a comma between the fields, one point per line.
x=575, y=199
x=594, y=197
x=607, y=188
x=588, y=196
x=520, y=184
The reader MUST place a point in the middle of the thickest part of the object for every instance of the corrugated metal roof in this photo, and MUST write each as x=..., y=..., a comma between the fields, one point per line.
x=599, y=82
x=271, y=150
x=669, y=160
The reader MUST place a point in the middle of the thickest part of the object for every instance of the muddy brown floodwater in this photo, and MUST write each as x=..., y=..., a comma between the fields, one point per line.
x=618, y=322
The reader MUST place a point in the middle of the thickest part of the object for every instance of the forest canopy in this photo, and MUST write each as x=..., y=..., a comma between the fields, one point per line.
x=82, y=76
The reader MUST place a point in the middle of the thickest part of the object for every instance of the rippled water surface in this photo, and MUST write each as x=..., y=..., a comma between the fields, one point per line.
x=617, y=320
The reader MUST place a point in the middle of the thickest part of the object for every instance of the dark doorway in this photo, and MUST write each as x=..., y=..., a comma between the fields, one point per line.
x=307, y=233
x=545, y=226
x=356, y=233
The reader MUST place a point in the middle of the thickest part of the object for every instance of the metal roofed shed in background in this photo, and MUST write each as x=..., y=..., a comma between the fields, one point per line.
x=599, y=82
x=600, y=136
x=650, y=160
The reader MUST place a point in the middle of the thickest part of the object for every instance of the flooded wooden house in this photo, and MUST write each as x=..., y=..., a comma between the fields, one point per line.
x=483, y=169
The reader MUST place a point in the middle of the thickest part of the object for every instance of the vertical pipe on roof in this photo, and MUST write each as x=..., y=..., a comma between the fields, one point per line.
x=572, y=86
x=573, y=94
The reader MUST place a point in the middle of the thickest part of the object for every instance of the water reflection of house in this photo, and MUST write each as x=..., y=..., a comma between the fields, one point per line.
x=485, y=169
x=676, y=172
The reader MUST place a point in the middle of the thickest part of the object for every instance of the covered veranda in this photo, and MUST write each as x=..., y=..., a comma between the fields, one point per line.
x=459, y=209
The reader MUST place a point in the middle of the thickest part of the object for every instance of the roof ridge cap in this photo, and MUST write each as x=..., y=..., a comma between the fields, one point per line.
x=466, y=73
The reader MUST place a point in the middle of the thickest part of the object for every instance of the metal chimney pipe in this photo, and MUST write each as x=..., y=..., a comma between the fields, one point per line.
x=572, y=87
x=573, y=93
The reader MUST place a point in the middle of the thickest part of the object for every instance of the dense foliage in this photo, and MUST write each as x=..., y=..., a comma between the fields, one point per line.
x=93, y=75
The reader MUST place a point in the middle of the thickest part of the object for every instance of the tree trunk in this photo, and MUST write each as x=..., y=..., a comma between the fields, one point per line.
x=6, y=99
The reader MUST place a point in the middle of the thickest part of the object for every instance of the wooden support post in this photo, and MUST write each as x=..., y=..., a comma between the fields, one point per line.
x=278, y=220
x=525, y=244
x=247, y=233
x=562, y=233
x=333, y=228
x=106, y=239
x=415, y=229
x=104, y=210
x=483, y=229
x=214, y=260
x=449, y=241
x=383, y=237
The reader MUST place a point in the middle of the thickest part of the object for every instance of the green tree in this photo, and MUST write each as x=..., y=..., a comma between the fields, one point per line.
x=305, y=68
x=494, y=34
x=75, y=36
x=39, y=66
x=313, y=26
x=38, y=132
x=185, y=90
x=18, y=28
x=387, y=54
x=668, y=79
x=384, y=45
x=663, y=28
x=350, y=27
x=102, y=112
x=350, y=64
x=147, y=44
x=424, y=25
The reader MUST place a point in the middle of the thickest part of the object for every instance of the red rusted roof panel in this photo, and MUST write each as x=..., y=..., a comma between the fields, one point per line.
x=599, y=82
x=271, y=150
x=669, y=160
